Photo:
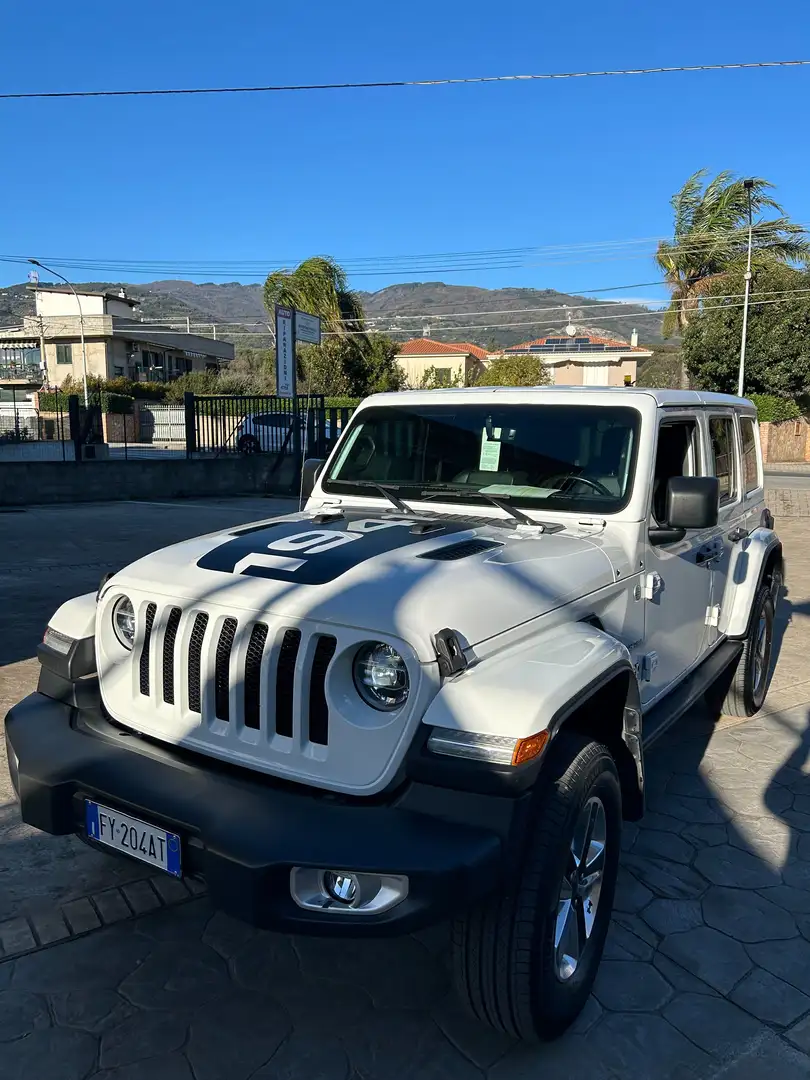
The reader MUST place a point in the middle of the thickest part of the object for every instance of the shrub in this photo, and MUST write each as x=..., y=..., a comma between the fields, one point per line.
x=772, y=409
x=53, y=401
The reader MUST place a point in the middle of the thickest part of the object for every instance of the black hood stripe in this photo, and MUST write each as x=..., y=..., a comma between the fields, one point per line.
x=312, y=554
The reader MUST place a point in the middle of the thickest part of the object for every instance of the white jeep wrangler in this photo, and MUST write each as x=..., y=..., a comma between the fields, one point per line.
x=429, y=694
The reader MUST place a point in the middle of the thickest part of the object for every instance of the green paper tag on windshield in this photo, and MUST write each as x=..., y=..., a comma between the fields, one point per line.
x=490, y=451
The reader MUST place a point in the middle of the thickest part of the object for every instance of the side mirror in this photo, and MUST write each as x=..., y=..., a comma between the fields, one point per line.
x=692, y=503
x=312, y=469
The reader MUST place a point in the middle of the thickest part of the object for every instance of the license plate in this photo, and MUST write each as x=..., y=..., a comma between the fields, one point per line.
x=136, y=838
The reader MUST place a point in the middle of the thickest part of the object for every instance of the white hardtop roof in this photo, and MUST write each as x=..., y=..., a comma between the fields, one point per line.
x=547, y=394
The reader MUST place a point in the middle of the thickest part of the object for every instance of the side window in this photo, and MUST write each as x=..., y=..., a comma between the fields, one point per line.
x=749, y=454
x=676, y=456
x=721, y=433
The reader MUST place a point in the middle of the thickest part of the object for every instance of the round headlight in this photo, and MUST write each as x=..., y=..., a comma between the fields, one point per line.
x=123, y=620
x=381, y=677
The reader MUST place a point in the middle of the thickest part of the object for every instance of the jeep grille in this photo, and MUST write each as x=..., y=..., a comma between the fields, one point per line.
x=229, y=671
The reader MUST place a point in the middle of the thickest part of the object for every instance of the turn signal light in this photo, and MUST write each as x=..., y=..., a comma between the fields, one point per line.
x=530, y=748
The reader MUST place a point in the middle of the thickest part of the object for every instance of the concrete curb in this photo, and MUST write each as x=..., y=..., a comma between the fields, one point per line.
x=76, y=918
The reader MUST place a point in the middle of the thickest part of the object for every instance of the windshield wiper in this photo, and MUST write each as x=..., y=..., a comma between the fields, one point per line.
x=501, y=501
x=386, y=490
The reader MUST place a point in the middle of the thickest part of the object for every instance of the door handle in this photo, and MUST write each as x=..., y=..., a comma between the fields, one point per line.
x=709, y=552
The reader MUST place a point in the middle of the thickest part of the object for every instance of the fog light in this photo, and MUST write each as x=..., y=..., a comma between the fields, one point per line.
x=341, y=887
x=343, y=894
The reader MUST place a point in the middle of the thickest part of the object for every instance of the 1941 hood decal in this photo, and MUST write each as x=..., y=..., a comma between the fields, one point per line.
x=310, y=554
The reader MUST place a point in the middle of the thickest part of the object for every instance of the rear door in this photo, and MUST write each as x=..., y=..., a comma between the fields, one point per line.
x=726, y=462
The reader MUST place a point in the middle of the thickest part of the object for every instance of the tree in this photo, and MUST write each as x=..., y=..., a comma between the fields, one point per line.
x=777, y=359
x=435, y=378
x=711, y=239
x=383, y=371
x=255, y=367
x=348, y=362
x=515, y=369
x=323, y=369
x=663, y=369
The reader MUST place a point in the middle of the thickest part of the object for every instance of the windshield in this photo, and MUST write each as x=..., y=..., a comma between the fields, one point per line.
x=563, y=457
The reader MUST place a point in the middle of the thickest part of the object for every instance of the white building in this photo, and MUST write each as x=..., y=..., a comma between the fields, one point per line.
x=47, y=348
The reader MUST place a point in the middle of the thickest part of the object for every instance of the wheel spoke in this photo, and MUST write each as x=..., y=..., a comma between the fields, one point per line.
x=596, y=860
x=563, y=915
x=580, y=852
x=588, y=907
x=568, y=939
x=583, y=928
x=580, y=887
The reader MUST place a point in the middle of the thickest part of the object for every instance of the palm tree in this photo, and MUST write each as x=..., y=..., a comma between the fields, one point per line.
x=319, y=286
x=711, y=239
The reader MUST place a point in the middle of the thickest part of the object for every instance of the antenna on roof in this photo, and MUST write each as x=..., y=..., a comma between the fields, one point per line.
x=570, y=329
x=425, y=331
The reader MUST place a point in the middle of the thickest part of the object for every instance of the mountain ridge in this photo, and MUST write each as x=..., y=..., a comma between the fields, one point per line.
x=491, y=317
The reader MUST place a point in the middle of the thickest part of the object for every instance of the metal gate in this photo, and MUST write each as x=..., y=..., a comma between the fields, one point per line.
x=256, y=424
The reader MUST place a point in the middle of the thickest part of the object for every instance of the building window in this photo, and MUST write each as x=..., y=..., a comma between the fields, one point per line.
x=64, y=354
x=721, y=430
x=443, y=376
x=118, y=372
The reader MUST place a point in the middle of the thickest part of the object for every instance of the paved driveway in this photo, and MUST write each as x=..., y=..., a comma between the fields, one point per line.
x=706, y=971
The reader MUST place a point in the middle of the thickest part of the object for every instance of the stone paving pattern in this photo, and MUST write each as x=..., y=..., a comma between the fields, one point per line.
x=707, y=961
x=706, y=970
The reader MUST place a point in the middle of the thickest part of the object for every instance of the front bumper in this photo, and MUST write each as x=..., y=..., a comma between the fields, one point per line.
x=243, y=833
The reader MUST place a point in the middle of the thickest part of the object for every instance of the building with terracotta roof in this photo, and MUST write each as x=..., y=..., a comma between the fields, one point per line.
x=581, y=358
x=456, y=363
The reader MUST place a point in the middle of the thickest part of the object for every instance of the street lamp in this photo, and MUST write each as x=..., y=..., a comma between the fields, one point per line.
x=55, y=273
x=748, y=184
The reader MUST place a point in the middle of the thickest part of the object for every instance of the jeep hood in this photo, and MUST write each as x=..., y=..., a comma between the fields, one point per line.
x=389, y=574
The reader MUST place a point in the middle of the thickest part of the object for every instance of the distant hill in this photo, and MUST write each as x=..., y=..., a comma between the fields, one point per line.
x=501, y=317
x=505, y=319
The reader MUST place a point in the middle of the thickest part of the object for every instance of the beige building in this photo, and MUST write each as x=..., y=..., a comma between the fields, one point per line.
x=47, y=348
x=456, y=363
x=585, y=359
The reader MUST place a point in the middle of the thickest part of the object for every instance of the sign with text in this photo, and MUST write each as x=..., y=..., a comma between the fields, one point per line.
x=285, y=352
x=307, y=328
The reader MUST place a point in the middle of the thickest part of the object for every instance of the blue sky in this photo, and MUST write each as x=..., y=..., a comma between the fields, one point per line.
x=262, y=179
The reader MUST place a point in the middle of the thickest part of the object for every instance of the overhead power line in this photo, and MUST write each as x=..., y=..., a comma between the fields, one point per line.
x=383, y=84
x=778, y=297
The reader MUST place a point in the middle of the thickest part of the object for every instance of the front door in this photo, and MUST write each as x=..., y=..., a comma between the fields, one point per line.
x=678, y=575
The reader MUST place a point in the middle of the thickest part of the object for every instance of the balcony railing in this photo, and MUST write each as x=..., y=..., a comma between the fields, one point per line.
x=29, y=373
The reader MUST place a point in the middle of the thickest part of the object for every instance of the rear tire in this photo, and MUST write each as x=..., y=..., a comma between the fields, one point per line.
x=525, y=962
x=745, y=695
x=248, y=444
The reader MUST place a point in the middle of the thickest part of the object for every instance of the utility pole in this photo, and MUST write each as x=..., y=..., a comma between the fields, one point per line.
x=741, y=378
x=61, y=277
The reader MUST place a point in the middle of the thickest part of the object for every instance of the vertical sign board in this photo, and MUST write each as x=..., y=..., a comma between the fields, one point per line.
x=285, y=352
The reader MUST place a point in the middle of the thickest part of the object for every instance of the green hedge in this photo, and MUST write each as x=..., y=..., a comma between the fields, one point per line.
x=772, y=409
x=110, y=403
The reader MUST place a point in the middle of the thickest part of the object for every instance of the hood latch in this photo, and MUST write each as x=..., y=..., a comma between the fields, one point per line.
x=449, y=653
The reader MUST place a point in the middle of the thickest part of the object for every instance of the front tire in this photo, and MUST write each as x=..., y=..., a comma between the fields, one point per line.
x=525, y=962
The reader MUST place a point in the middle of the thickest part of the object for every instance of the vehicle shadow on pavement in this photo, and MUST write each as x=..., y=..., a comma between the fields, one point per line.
x=707, y=959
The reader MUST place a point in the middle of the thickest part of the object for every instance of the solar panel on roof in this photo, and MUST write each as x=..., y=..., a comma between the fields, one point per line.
x=582, y=341
x=555, y=341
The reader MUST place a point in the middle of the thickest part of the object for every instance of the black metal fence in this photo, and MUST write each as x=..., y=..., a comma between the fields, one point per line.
x=28, y=433
x=63, y=428
x=256, y=424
